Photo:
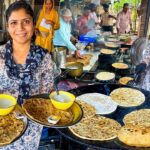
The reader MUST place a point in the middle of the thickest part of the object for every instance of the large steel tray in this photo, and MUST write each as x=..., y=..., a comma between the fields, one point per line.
x=117, y=115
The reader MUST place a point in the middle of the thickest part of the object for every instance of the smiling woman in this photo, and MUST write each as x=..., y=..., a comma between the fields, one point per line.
x=25, y=69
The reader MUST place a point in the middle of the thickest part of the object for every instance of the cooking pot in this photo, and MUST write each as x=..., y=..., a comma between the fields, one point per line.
x=75, y=69
x=59, y=56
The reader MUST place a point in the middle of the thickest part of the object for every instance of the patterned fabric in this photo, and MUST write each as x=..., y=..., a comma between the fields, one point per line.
x=23, y=72
x=22, y=81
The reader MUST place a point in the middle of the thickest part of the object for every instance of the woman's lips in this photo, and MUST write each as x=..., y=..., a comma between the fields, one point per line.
x=21, y=34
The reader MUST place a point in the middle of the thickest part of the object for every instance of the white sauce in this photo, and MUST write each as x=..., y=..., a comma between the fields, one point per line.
x=5, y=103
x=61, y=98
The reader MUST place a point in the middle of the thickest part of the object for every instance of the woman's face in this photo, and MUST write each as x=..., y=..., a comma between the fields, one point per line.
x=48, y=4
x=20, y=26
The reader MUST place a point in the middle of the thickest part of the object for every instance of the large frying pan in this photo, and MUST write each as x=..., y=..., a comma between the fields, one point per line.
x=117, y=115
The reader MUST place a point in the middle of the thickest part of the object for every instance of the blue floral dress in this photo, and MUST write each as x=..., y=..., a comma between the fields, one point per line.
x=22, y=81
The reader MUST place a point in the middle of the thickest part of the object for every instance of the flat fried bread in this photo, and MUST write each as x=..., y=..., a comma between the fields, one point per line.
x=102, y=103
x=135, y=136
x=104, y=76
x=96, y=128
x=125, y=80
x=111, y=44
x=10, y=128
x=88, y=110
x=120, y=66
x=107, y=51
x=40, y=109
x=127, y=97
x=139, y=117
x=85, y=60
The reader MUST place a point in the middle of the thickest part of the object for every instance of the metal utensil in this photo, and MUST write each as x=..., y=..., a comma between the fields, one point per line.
x=18, y=115
x=53, y=119
x=59, y=56
x=56, y=88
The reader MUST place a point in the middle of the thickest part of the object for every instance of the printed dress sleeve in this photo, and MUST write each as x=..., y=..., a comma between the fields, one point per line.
x=47, y=76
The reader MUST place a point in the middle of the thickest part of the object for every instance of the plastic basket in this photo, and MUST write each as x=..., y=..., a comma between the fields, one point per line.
x=84, y=38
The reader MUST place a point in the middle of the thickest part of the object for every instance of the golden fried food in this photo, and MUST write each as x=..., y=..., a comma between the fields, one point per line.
x=10, y=128
x=40, y=109
x=96, y=128
x=85, y=60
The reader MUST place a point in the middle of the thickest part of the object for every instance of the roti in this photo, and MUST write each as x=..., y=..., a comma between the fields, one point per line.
x=10, y=128
x=40, y=109
x=88, y=110
x=112, y=39
x=127, y=97
x=104, y=76
x=120, y=65
x=125, y=80
x=96, y=128
x=111, y=44
x=135, y=136
x=139, y=117
x=102, y=103
x=107, y=51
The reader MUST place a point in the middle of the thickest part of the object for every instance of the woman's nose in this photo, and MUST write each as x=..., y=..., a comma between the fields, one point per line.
x=20, y=26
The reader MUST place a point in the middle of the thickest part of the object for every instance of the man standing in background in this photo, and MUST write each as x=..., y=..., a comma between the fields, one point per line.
x=124, y=23
x=107, y=19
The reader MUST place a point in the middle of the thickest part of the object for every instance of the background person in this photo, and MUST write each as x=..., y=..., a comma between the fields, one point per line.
x=93, y=15
x=107, y=19
x=63, y=36
x=82, y=21
x=47, y=22
x=124, y=23
x=25, y=69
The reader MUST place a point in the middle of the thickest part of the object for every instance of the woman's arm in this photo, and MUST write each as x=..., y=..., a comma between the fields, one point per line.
x=47, y=76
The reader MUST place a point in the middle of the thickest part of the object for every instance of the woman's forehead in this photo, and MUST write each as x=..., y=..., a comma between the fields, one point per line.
x=19, y=14
x=48, y=1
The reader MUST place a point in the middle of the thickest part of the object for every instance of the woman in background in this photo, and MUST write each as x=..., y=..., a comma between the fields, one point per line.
x=47, y=22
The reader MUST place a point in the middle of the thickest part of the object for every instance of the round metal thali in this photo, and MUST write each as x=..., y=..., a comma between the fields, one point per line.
x=25, y=121
x=118, y=115
x=75, y=109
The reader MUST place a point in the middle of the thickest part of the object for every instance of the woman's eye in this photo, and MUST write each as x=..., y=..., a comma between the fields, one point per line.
x=13, y=23
x=26, y=22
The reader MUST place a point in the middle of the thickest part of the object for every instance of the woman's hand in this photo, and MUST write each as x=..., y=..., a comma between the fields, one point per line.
x=49, y=22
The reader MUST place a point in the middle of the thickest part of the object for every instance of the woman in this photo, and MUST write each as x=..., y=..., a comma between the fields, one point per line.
x=47, y=22
x=25, y=69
